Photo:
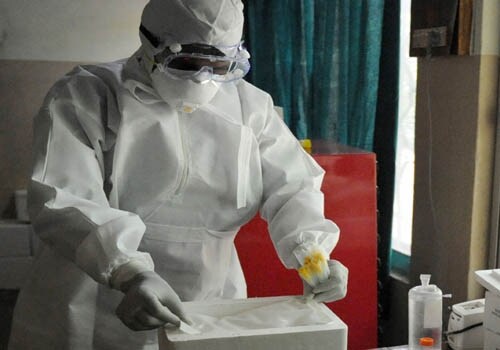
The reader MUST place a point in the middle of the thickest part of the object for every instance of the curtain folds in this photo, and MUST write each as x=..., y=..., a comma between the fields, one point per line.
x=319, y=59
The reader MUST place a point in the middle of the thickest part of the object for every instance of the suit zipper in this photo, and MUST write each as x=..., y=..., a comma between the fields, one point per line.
x=185, y=156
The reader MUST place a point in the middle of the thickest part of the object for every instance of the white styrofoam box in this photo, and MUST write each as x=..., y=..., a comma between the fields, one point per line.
x=313, y=326
x=16, y=239
x=491, y=340
x=14, y=271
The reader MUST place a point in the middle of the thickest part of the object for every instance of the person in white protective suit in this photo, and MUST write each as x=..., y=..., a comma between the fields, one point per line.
x=145, y=169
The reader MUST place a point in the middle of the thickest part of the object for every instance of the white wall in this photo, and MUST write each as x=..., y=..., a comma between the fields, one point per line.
x=486, y=28
x=41, y=40
x=69, y=30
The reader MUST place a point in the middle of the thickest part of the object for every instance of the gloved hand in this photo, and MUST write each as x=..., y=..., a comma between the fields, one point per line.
x=149, y=303
x=334, y=288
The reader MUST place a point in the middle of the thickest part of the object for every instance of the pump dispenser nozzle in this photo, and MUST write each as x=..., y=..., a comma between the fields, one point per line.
x=425, y=279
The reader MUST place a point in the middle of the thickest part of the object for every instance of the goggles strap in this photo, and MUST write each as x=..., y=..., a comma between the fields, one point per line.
x=150, y=36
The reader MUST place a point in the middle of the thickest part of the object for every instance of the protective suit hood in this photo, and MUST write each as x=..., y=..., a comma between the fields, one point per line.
x=212, y=22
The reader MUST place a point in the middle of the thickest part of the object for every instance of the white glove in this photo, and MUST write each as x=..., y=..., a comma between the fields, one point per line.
x=149, y=303
x=331, y=289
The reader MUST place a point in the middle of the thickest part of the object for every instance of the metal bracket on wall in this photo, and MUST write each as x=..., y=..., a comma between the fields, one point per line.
x=428, y=37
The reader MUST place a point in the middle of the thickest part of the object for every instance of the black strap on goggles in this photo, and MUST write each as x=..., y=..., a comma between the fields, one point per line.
x=150, y=36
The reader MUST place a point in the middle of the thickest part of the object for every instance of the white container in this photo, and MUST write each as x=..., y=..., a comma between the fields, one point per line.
x=465, y=330
x=490, y=279
x=492, y=312
x=425, y=312
x=258, y=323
x=491, y=340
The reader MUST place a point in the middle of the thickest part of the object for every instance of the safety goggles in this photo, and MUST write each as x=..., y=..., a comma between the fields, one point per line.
x=204, y=62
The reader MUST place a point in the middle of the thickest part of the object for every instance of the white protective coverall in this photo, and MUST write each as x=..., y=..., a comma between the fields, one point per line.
x=120, y=178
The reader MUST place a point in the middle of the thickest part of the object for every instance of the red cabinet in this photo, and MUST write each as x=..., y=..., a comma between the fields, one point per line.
x=350, y=201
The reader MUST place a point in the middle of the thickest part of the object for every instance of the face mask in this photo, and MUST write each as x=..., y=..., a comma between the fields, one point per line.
x=184, y=95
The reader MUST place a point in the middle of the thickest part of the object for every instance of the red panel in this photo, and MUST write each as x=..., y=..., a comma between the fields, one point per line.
x=350, y=201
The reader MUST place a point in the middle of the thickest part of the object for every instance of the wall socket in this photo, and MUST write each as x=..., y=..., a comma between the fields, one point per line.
x=428, y=37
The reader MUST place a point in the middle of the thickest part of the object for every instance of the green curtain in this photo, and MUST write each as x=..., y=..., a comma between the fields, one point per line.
x=319, y=59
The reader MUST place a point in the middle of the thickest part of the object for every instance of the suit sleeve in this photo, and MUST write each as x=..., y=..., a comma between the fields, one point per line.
x=67, y=201
x=293, y=203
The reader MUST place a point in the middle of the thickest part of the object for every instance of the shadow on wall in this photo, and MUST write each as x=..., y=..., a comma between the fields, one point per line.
x=23, y=86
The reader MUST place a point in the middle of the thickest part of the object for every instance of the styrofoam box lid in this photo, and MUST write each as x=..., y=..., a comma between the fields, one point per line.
x=489, y=279
x=323, y=319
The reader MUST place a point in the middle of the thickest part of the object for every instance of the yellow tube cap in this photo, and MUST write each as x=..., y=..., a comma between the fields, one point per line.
x=306, y=144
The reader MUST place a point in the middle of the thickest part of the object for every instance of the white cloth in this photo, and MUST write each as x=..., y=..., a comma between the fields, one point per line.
x=293, y=312
x=122, y=179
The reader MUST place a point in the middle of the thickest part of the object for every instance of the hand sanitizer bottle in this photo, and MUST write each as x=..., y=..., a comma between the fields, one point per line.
x=425, y=308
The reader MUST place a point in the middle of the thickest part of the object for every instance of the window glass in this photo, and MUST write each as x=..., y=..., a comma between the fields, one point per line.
x=404, y=177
